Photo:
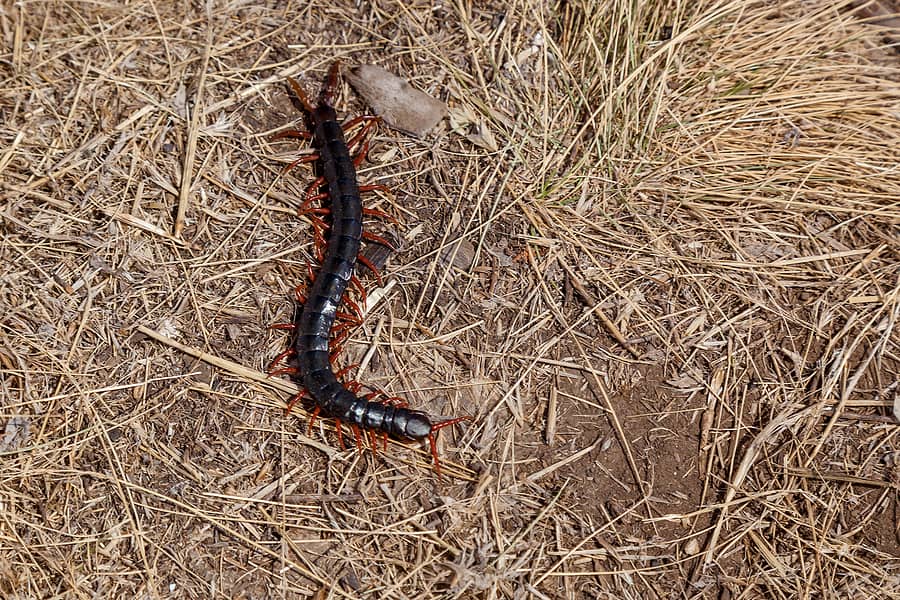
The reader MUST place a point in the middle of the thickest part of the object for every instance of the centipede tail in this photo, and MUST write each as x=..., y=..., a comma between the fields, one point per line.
x=313, y=329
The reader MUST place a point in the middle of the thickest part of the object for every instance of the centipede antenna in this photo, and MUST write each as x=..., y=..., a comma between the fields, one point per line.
x=301, y=95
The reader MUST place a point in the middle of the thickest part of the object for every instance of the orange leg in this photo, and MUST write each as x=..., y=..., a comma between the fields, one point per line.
x=368, y=264
x=293, y=401
x=307, y=206
x=358, y=437
x=344, y=322
x=319, y=228
x=311, y=197
x=315, y=185
x=341, y=330
x=350, y=319
x=319, y=210
x=337, y=346
x=353, y=306
x=340, y=334
x=372, y=119
x=374, y=212
x=319, y=224
x=287, y=353
x=344, y=372
x=303, y=159
x=396, y=401
x=357, y=284
x=364, y=149
x=373, y=439
x=312, y=419
x=285, y=371
x=370, y=122
x=340, y=435
x=372, y=237
x=437, y=461
x=312, y=191
x=292, y=133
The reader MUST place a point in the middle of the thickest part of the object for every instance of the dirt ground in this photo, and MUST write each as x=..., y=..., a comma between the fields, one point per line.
x=652, y=249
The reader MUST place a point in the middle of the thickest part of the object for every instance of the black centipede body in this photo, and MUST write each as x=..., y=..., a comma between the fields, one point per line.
x=329, y=286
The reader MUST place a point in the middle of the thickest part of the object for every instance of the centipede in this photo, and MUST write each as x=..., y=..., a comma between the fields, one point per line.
x=315, y=343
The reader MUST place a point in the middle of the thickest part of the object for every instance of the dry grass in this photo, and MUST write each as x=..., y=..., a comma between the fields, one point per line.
x=678, y=336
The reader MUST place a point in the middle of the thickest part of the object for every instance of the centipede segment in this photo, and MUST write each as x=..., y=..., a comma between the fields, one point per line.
x=315, y=331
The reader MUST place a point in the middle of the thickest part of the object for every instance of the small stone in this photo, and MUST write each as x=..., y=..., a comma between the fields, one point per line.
x=691, y=547
x=462, y=253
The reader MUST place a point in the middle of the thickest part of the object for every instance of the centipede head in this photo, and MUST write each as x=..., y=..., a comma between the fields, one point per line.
x=325, y=109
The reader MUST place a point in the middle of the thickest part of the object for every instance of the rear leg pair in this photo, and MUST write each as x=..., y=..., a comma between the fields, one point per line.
x=354, y=387
x=374, y=435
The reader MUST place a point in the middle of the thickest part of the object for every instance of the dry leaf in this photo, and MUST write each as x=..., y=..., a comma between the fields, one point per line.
x=398, y=103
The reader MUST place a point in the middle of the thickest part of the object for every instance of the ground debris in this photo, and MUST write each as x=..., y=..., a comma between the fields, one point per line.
x=396, y=101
